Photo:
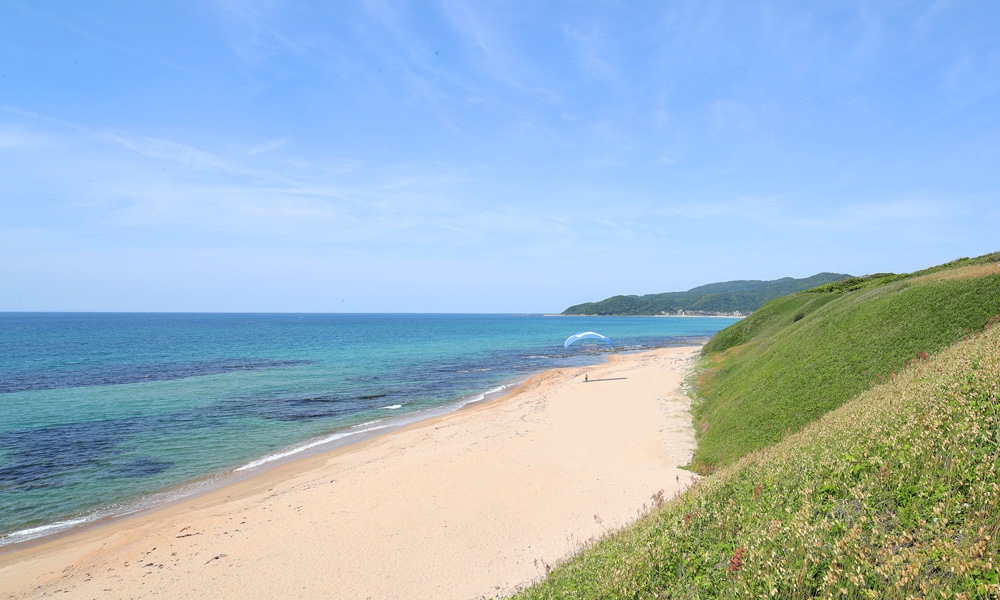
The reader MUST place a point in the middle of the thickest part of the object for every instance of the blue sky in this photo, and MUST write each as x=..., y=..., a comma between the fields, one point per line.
x=454, y=156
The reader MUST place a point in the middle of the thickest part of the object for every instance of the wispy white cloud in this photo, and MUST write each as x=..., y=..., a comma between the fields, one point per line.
x=147, y=146
x=145, y=183
x=913, y=208
x=747, y=207
x=253, y=28
x=589, y=47
x=730, y=116
x=498, y=55
x=54, y=17
x=19, y=112
x=172, y=152
x=395, y=44
x=613, y=132
x=661, y=113
x=921, y=211
x=470, y=25
x=872, y=34
x=267, y=146
x=387, y=15
x=18, y=139
x=602, y=162
x=932, y=16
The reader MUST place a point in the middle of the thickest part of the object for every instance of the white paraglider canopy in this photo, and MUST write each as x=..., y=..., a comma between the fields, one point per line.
x=587, y=334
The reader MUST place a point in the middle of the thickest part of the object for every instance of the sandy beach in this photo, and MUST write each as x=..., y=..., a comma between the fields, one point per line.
x=471, y=504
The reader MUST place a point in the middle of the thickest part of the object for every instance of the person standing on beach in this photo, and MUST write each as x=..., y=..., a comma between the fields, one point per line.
x=586, y=377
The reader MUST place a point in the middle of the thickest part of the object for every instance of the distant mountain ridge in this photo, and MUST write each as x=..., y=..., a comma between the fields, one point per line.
x=727, y=297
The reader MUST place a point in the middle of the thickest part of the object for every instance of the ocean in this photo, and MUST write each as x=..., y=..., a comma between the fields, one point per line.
x=104, y=414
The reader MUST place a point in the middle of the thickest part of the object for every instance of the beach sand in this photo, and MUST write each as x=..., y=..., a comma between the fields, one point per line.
x=471, y=504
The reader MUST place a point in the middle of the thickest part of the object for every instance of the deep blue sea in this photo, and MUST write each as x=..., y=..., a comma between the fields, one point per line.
x=102, y=414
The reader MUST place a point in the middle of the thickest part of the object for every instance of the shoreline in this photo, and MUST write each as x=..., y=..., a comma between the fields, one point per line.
x=462, y=483
x=211, y=482
x=329, y=442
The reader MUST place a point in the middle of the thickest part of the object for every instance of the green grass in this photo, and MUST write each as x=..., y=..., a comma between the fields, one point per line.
x=802, y=355
x=893, y=495
x=852, y=433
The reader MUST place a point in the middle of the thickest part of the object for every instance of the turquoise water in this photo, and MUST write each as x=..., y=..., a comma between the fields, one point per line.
x=101, y=412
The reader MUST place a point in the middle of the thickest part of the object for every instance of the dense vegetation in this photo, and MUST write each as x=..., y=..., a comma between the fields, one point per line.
x=725, y=297
x=895, y=494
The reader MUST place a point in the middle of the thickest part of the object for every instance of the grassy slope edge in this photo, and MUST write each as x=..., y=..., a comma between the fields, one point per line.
x=802, y=355
x=893, y=495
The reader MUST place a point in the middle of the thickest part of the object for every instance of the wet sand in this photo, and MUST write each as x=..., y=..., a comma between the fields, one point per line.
x=467, y=505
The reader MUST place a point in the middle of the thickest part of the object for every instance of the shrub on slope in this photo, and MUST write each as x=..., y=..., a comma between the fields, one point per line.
x=893, y=495
x=802, y=355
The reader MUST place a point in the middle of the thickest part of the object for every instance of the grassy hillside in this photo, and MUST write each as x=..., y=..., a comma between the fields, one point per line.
x=801, y=355
x=724, y=297
x=893, y=495
x=853, y=436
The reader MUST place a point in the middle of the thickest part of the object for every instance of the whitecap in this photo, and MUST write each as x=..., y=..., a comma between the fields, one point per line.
x=34, y=532
x=303, y=447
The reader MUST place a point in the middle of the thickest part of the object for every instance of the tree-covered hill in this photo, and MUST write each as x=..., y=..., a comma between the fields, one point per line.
x=744, y=296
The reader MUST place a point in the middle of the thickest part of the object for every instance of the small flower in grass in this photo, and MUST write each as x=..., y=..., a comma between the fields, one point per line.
x=737, y=561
